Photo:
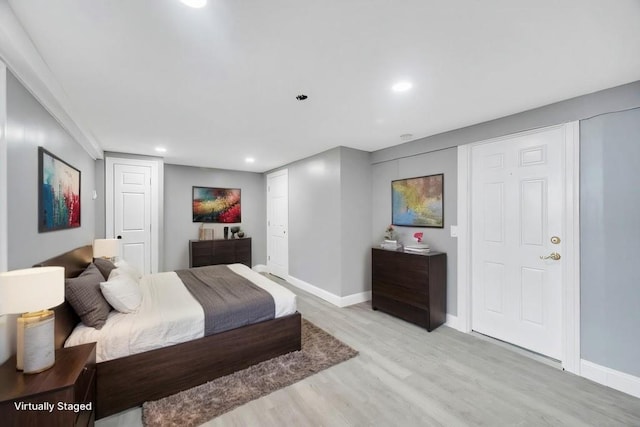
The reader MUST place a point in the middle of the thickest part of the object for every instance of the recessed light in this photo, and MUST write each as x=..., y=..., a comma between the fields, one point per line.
x=161, y=149
x=196, y=4
x=401, y=86
x=249, y=160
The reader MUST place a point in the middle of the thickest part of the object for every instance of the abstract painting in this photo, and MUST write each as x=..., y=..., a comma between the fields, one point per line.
x=418, y=202
x=216, y=205
x=58, y=193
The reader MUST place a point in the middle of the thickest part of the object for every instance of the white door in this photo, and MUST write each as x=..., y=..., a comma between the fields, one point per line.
x=517, y=194
x=133, y=199
x=132, y=214
x=278, y=223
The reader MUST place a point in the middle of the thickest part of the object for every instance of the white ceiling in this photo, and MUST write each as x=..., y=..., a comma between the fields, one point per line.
x=218, y=84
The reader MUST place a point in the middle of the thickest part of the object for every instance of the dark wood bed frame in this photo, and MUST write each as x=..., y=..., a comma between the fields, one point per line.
x=130, y=381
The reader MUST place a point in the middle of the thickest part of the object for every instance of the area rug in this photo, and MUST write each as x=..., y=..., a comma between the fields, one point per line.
x=202, y=403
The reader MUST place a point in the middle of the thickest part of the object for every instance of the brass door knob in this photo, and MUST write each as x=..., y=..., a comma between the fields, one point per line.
x=554, y=256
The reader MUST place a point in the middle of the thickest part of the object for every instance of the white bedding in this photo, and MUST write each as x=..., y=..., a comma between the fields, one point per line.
x=168, y=315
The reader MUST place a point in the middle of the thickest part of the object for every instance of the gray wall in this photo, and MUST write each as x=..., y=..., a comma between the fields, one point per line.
x=178, y=225
x=438, y=239
x=330, y=220
x=610, y=240
x=29, y=125
x=355, y=195
x=315, y=227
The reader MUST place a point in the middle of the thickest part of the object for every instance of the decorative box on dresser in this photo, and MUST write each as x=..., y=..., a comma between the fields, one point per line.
x=219, y=251
x=68, y=388
x=411, y=286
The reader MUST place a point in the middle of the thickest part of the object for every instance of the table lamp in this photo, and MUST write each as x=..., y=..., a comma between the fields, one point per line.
x=106, y=248
x=33, y=291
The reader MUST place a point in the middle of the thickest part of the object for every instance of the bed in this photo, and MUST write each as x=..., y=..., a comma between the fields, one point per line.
x=131, y=380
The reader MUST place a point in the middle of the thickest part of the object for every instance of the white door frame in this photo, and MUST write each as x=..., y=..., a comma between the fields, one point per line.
x=7, y=323
x=269, y=176
x=4, y=239
x=571, y=275
x=156, y=201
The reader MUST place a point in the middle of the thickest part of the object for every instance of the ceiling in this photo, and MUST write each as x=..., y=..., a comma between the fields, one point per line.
x=218, y=84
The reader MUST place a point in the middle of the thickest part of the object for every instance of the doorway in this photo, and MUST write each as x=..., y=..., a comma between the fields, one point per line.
x=278, y=223
x=132, y=209
x=518, y=245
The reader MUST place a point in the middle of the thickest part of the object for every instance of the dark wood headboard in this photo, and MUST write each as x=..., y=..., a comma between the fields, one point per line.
x=74, y=263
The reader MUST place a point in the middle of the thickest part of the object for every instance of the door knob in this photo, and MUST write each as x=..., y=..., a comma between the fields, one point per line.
x=554, y=256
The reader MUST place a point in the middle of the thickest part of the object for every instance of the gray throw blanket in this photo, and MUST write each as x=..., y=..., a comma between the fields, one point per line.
x=228, y=299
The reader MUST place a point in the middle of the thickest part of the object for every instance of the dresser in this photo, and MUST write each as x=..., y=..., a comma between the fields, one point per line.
x=63, y=395
x=227, y=251
x=410, y=286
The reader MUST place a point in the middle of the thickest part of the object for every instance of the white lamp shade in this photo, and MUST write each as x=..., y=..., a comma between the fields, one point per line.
x=106, y=248
x=31, y=289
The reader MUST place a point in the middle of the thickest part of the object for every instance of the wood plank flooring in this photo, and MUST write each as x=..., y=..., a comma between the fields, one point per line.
x=406, y=376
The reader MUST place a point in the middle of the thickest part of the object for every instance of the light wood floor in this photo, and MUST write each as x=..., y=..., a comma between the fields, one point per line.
x=406, y=376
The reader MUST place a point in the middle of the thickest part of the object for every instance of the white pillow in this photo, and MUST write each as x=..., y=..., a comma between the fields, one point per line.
x=122, y=292
x=128, y=268
x=118, y=272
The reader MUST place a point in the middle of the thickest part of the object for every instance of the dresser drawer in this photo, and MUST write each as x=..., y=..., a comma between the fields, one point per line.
x=202, y=248
x=199, y=261
x=408, y=312
x=418, y=298
x=411, y=279
x=224, y=252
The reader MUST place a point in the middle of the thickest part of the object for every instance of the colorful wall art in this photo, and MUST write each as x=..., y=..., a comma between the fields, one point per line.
x=418, y=202
x=58, y=193
x=216, y=205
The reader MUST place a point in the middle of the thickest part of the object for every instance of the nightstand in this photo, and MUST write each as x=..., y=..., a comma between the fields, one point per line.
x=63, y=395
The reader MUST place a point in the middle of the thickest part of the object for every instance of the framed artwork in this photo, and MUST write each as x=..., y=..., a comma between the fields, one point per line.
x=216, y=205
x=58, y=193
x=418, y=202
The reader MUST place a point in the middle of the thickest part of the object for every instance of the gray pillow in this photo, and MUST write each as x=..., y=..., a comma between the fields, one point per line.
x=105, y=266
x=83, y=293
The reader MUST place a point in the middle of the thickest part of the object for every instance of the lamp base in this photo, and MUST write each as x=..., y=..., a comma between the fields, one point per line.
x=35, y=339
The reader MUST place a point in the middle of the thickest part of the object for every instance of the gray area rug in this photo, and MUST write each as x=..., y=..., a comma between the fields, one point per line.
x=204, y=402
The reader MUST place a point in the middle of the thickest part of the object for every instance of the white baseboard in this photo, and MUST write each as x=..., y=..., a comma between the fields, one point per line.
x=355, y=299
x=328, y=296
x=321, y=293
x=452, y=322
x=610, y=377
